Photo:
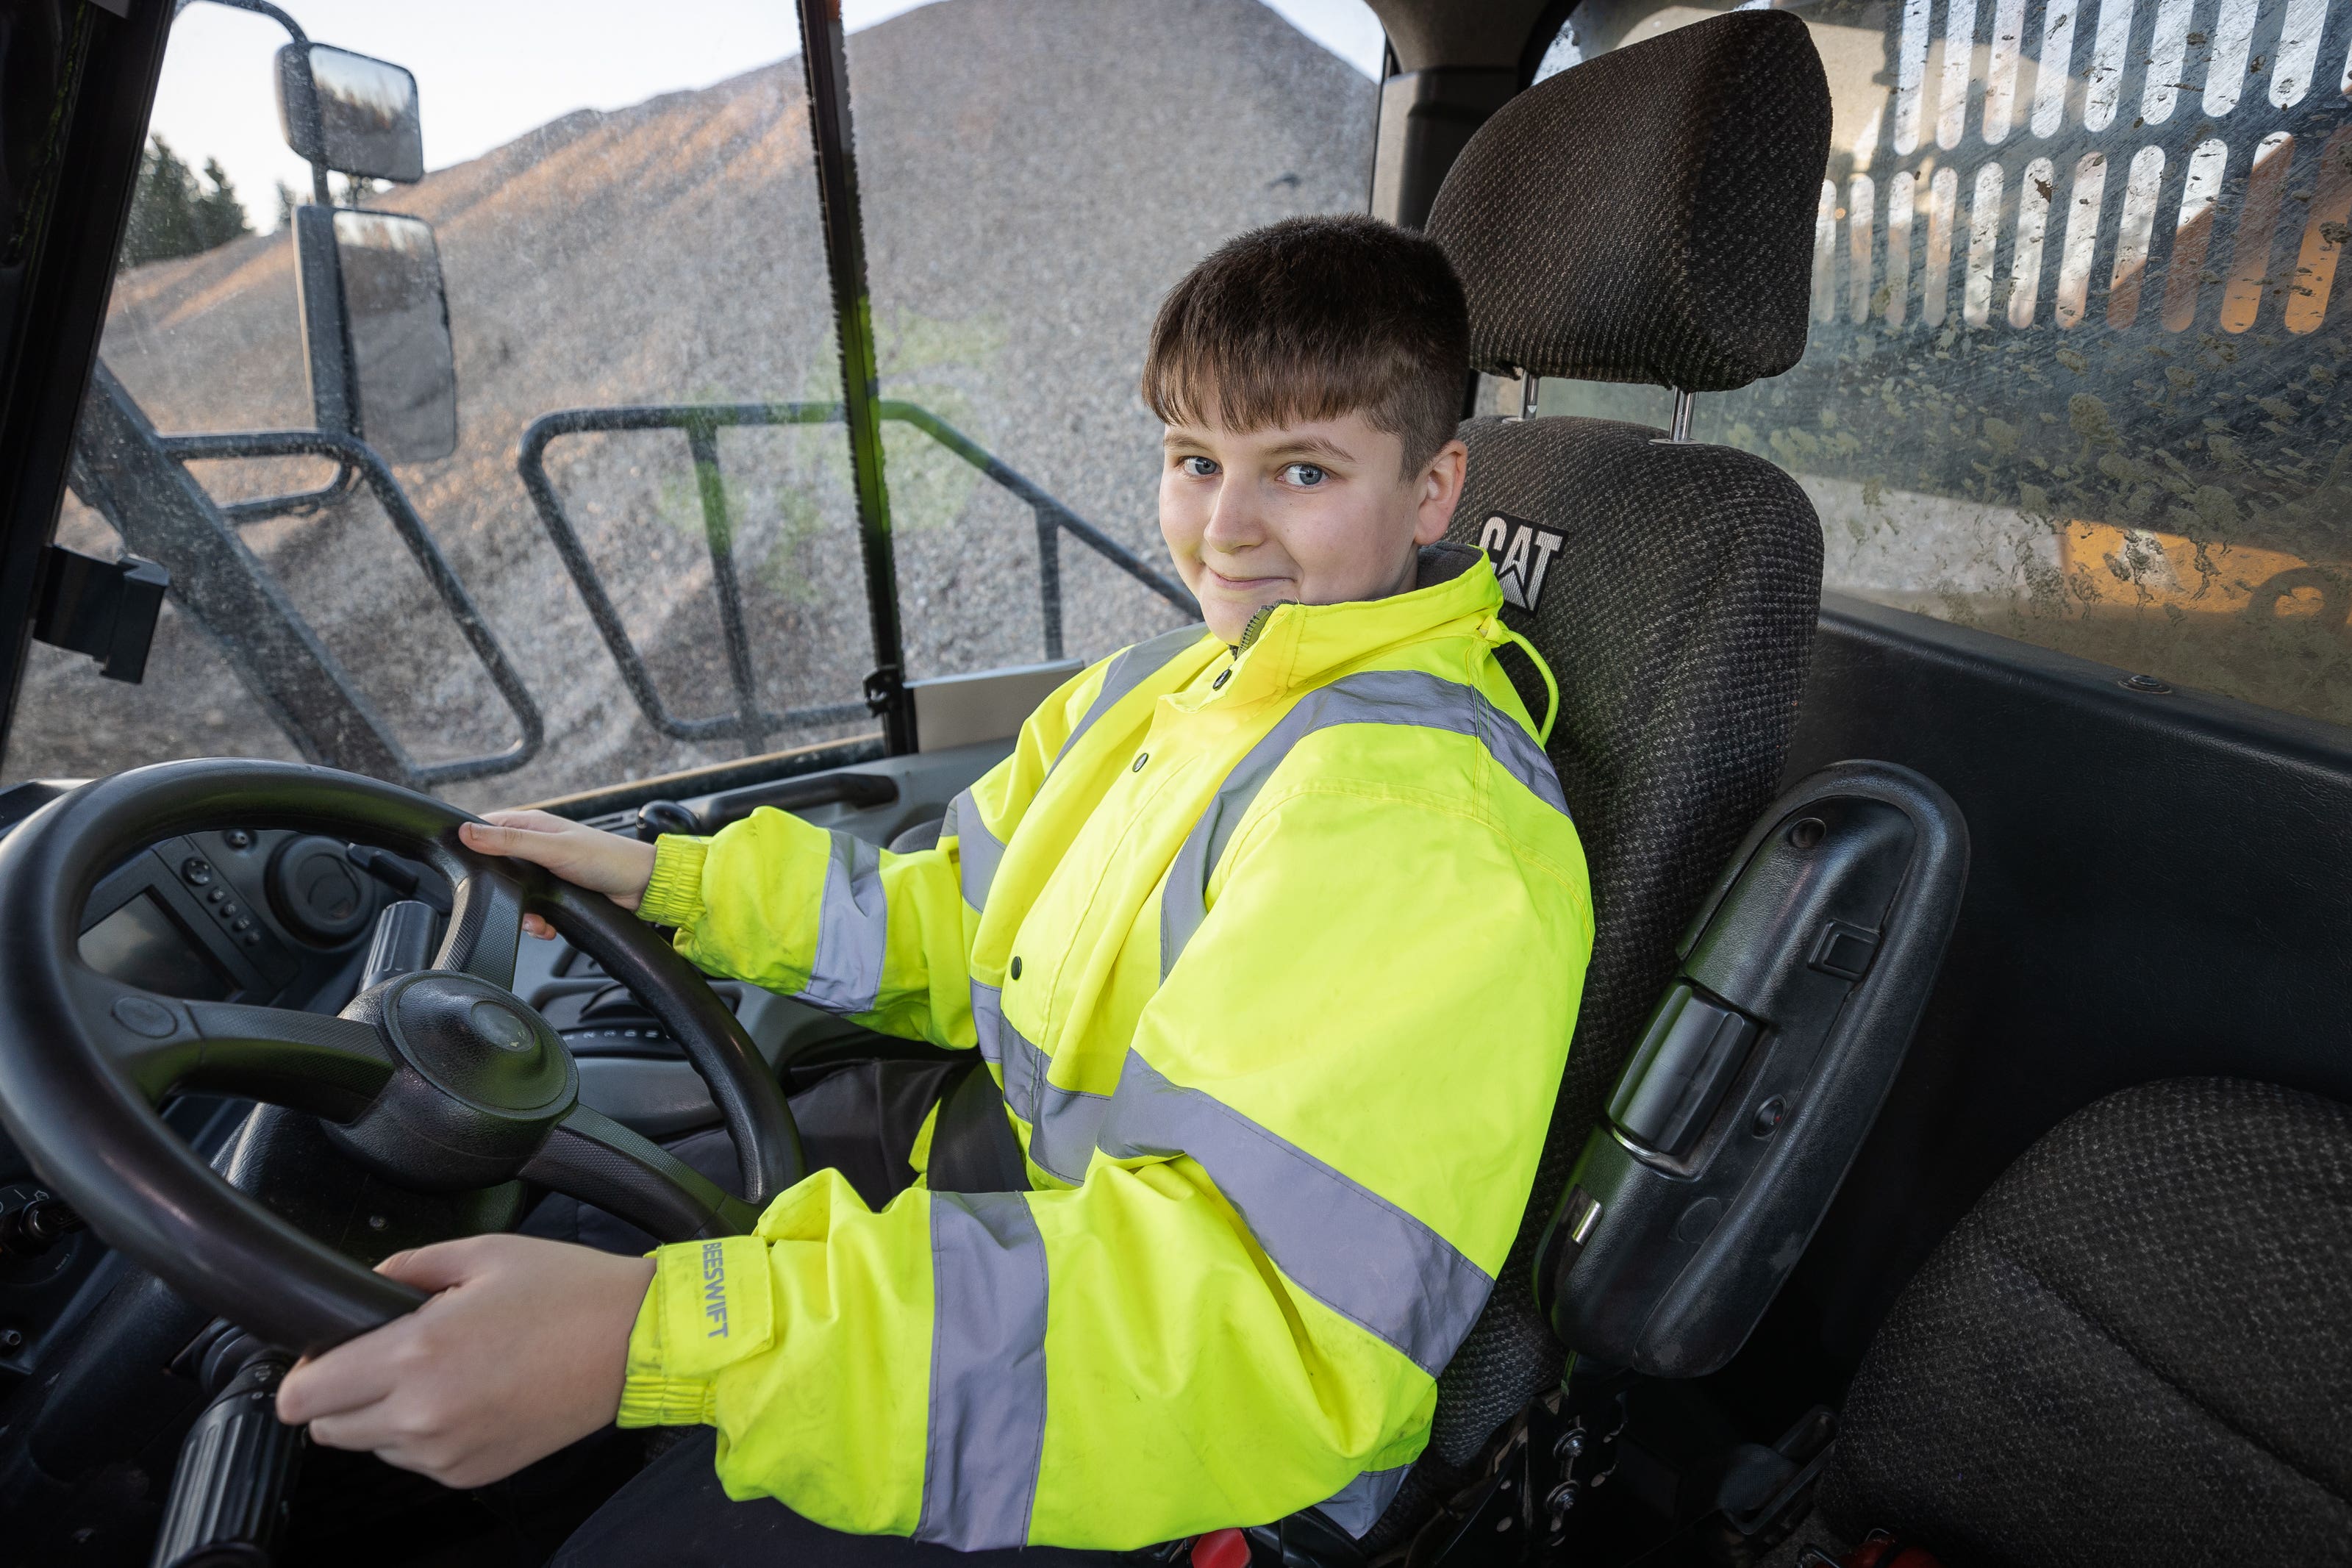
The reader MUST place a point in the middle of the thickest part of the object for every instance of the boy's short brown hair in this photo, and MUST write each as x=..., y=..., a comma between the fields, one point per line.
x=1314, y=318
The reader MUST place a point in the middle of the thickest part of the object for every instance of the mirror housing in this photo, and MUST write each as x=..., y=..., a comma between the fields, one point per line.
x=349, y=112
x=375, y=321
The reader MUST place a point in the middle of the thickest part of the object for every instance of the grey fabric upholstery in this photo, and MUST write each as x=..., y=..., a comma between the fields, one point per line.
x=2137, y=1348
x=1644, y=216
x=1648, y=215
x=922, y=836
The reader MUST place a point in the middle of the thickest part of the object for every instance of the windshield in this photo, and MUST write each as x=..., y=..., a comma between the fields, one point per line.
x=646, y=515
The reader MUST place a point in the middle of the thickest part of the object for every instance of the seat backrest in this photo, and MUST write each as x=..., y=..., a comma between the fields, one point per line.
x=1643, y=217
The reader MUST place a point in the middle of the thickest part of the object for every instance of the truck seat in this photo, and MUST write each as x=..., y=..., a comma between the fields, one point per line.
x=2132, y=1349
x=1646, y=216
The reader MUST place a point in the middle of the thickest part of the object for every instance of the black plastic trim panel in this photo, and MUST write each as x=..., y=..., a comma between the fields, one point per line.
x=2160, y=885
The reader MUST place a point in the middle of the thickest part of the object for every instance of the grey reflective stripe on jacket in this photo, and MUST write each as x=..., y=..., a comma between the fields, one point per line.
x=853, y=930
x=1130, y=670
x=978, y=850
x=1371, y=696
x=1358, y=1254
x=1353, y=1251
x=987, y=1436
x=985, y=1446
x=1358, y=1506
x=1062, y=1122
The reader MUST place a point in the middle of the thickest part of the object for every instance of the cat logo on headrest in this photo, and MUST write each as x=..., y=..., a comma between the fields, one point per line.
x=1522, y=552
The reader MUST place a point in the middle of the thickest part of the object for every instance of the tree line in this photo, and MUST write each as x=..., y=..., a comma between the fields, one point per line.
x=175, y=213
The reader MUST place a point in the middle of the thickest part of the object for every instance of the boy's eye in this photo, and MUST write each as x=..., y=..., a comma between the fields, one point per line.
x=1306, y=475
x=1199, y=467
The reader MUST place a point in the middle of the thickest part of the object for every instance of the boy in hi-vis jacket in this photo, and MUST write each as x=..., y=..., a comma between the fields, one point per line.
x=1272, y=933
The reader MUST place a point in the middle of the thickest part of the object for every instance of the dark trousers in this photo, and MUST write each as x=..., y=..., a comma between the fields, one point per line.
x=861, y=1119
x=675, y=1514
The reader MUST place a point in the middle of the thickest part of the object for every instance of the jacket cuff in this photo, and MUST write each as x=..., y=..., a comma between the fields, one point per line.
x=708, y=1308
x=674, y=896
x=668, y=1402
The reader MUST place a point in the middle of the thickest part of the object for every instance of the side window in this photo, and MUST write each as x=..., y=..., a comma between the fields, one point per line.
x=2078, y=330
x=1034, y=180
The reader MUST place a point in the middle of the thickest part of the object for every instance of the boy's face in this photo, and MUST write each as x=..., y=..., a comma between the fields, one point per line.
x=1317, y=512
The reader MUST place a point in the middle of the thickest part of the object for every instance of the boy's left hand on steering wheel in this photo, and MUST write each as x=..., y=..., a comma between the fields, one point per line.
x=587, y=857
x=523, y=1350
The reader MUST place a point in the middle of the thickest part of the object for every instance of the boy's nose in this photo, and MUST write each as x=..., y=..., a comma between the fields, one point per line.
x=1233, y=520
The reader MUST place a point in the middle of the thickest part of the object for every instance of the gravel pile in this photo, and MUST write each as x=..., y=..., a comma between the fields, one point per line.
x=1035, y=174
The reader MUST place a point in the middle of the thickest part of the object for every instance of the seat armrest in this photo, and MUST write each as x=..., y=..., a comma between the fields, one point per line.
x=1760, y=1072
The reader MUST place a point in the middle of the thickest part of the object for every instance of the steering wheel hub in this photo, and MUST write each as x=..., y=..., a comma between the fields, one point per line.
x=477, y=1043
x=480, y=1079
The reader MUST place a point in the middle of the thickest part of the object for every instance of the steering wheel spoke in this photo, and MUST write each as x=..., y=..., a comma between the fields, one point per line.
x=150, y=1038
x=309, y=1062
x=329, y=1066
x=485, y=928
x=594, y=1158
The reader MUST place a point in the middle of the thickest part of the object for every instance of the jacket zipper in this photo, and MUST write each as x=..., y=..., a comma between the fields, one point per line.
x=1256, y=625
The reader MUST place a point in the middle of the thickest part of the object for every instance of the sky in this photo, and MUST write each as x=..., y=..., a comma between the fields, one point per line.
x=489, y=70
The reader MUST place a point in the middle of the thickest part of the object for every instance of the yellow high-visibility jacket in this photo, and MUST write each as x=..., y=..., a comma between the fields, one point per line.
x=1276, y=952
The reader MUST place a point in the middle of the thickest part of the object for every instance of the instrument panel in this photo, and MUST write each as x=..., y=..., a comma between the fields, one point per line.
x=259, y=916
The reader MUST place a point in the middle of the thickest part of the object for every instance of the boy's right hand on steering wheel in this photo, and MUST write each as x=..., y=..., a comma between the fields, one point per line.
x=586, y=857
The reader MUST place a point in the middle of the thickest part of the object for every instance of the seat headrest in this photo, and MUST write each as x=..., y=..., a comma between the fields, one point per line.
x=1648, y=215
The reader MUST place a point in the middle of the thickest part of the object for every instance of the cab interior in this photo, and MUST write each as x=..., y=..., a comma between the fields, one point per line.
x=1912, y=433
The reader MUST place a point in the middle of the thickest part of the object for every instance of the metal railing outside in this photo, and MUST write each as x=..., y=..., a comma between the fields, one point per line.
x=751, y=724
x=358, y=459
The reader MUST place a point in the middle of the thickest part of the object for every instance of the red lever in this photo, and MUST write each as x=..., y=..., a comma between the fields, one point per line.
x=1221, y=1548
x=1881, y=1550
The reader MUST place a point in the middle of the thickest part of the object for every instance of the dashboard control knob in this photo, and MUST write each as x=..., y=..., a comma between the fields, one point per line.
x=317, y=891
x=655, y=817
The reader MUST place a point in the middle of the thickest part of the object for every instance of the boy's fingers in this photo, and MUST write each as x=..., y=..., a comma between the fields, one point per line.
x=348, y=1378
x=530, y=821
x=378, y=1427
x=433, y=1268
x=354, y=1432
x=521, y=844
x=536, y=926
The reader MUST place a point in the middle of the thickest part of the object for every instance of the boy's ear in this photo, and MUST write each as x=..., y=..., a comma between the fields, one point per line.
x=1440, y=487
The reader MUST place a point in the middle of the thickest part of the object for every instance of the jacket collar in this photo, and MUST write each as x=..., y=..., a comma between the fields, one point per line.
x=1290, y=645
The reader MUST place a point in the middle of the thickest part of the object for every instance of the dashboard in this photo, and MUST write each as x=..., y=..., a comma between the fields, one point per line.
x=260, y=915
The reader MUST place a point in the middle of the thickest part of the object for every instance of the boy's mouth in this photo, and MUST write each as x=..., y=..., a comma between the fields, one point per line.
x=1218, y=579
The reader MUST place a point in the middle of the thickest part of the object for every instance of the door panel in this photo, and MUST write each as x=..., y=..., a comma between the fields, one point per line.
x=2158, y=888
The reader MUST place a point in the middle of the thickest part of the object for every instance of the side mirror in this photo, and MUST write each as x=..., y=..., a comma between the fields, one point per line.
x=375, y=320
x=350, y=112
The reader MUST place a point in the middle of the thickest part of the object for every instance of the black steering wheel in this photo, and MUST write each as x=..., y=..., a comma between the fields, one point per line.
x=441, y=1080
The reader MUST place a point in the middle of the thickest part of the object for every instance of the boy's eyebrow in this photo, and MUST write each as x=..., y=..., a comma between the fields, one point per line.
x=1291, y=449
x=1314, y=447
